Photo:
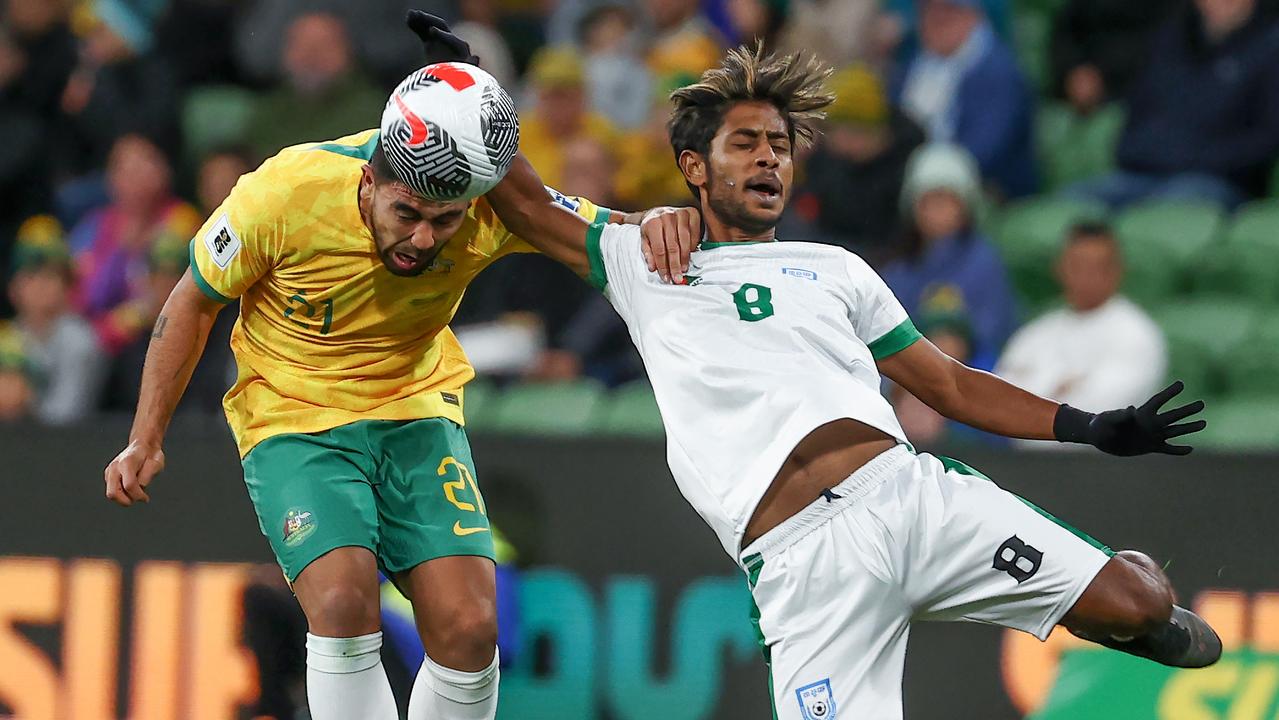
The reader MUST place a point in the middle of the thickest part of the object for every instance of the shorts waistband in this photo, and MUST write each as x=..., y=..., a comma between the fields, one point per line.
x=848, y=492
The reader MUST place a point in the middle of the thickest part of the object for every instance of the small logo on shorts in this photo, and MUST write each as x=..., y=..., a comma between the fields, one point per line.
x=816, y=701
x=298, y=526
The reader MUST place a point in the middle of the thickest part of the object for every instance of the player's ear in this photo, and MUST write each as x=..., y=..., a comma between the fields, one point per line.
x=368, y=179
x=693, y=165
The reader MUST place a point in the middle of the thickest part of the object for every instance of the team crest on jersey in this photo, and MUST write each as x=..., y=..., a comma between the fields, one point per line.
x=816, y=701
x=800, y=273
x=222, y=242
x=298, y=526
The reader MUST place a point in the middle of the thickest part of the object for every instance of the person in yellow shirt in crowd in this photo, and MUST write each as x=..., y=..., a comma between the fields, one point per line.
x=560, y=114
x=683, y=41
x=348, y=405
x=646, y=175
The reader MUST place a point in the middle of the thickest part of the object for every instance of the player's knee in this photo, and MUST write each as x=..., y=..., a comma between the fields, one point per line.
x=1144, y=595
x=343, y=611
x=466, y=634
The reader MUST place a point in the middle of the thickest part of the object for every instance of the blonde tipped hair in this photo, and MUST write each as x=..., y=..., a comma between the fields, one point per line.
x=795, y=84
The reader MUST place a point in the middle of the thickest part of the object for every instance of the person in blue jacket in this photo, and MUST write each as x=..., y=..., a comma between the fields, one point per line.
x=964, y=87
x=945, y=257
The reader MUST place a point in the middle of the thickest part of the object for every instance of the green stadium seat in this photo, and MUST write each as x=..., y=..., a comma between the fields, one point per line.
x=1241, y=424
x=480, y=397
x=1253, y=369
x=1161, y=242
x=632, y=411
x=1073, y=148
x=1203, y=335
x=1247, y=264
x=1030, y=234
x=215, y=115
x=566, y=408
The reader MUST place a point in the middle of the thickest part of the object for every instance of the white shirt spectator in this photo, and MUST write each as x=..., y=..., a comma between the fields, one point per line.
x=1112, y=356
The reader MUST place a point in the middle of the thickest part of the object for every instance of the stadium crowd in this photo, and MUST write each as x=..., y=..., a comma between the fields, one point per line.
x=1037, y=180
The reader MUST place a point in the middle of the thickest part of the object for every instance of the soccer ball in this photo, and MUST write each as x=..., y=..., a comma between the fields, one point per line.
x=450, y=132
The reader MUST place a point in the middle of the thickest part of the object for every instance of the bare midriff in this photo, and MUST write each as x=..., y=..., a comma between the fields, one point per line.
x=822, y=460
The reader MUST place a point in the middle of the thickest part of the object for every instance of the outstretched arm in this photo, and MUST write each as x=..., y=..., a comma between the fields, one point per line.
x=525, y=207
x=989, y=403
x=176, y=345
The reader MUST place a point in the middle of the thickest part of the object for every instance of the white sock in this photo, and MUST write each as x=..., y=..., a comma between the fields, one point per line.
x=441, y=693
x=345, y=679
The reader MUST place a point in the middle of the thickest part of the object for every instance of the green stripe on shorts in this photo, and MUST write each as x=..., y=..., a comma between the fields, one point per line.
x=754, y=565
x=963, y=468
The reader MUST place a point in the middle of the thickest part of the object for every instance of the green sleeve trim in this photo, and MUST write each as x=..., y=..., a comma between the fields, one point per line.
x=203, y=284
x=602, y=214
x=360, y=152
x=895, y=340
x=598, y=277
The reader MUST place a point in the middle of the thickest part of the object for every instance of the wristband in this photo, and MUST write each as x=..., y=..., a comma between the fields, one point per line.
x=1071, y=424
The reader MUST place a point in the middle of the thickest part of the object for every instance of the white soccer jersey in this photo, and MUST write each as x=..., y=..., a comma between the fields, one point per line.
x=765, y=343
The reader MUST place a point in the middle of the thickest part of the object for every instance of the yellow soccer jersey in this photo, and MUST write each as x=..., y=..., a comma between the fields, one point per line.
x=326, y=334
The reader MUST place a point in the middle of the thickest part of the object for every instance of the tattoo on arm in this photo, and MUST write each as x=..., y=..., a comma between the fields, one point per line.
x=158, y=332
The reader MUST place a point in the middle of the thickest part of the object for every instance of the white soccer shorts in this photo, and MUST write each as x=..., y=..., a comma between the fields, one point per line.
x=910, y=537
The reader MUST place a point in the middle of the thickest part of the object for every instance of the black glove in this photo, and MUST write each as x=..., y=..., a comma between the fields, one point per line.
x=438, y=44
x=1131, y=431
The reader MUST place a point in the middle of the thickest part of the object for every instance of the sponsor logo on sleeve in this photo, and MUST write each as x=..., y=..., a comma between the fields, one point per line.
x=816, y=701
x=222, y=242
x=800, y=273
x=563, y=199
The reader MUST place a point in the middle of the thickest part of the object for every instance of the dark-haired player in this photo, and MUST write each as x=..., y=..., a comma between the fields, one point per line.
x=766, y=365
x=347, y=407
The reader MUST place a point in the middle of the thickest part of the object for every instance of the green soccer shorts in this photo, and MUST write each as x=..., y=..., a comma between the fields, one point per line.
x=403, y=489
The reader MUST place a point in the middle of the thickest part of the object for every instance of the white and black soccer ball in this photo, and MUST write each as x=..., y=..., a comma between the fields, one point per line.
x=450, y=132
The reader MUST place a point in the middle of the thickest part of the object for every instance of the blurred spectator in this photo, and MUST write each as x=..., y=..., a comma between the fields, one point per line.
x=618, y=83
x=965, y=87
x=757, y=20
x=648, y=176
x=840, y=32
x=219, y=170
x=118, y=88
x=560, y=115
x=945, y=256
x=166, y=261
x=683, y=42
x=853, y=180
x=1099, y=351
x=479, y=28
x=1098, y=46
x=946, y=325
x=323, y=96
x=60, y=358
x=376, y=29
x=1203, y=117
x=905, y=15
x=591, y=338
x=15, y=390
x=37, y=56
x=112, y=245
